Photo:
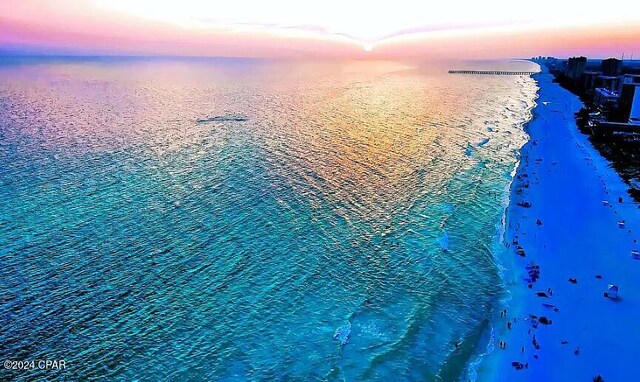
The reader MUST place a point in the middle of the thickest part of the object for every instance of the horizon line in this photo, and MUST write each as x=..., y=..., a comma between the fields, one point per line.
x=120, y=55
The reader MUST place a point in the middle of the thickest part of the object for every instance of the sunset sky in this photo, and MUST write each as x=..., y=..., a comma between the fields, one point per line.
x=329, y=28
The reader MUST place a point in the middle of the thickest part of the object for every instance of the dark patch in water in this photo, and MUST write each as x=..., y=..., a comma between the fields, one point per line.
x=224, y=118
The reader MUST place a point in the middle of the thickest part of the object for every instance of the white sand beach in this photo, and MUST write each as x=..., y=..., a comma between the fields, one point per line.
x=575, y=194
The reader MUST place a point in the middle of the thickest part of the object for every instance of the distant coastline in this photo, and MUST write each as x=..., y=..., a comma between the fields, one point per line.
x=606, y=89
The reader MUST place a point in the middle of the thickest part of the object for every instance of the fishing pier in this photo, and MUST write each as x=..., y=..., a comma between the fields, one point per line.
x=492, y=72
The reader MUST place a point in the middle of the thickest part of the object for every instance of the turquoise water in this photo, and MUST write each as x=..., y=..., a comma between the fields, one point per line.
x=252, y=220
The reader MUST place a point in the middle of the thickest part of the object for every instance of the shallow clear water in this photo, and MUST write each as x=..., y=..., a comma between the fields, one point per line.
x=353, y=198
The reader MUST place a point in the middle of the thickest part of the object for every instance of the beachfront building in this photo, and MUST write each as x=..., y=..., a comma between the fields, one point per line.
x=611, y=67
x=575, y=67
x=608, y=82
x=634, y=115
x=628, y=79
x=589, y=81
x=605, y=100
x=630, y=103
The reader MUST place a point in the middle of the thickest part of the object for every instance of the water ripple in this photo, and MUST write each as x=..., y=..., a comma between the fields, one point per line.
x=137, y=244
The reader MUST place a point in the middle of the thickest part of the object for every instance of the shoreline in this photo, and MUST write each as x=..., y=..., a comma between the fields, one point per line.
x=475, y=364
x=476, y=369
x=566, y=181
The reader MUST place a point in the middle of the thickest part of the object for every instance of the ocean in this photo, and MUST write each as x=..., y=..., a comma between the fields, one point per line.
x=251, y=219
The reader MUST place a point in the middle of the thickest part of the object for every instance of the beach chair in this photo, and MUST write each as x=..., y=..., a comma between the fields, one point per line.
x=612, y=292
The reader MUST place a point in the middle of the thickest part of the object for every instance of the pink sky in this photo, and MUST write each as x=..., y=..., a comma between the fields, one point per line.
x=282, y=28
